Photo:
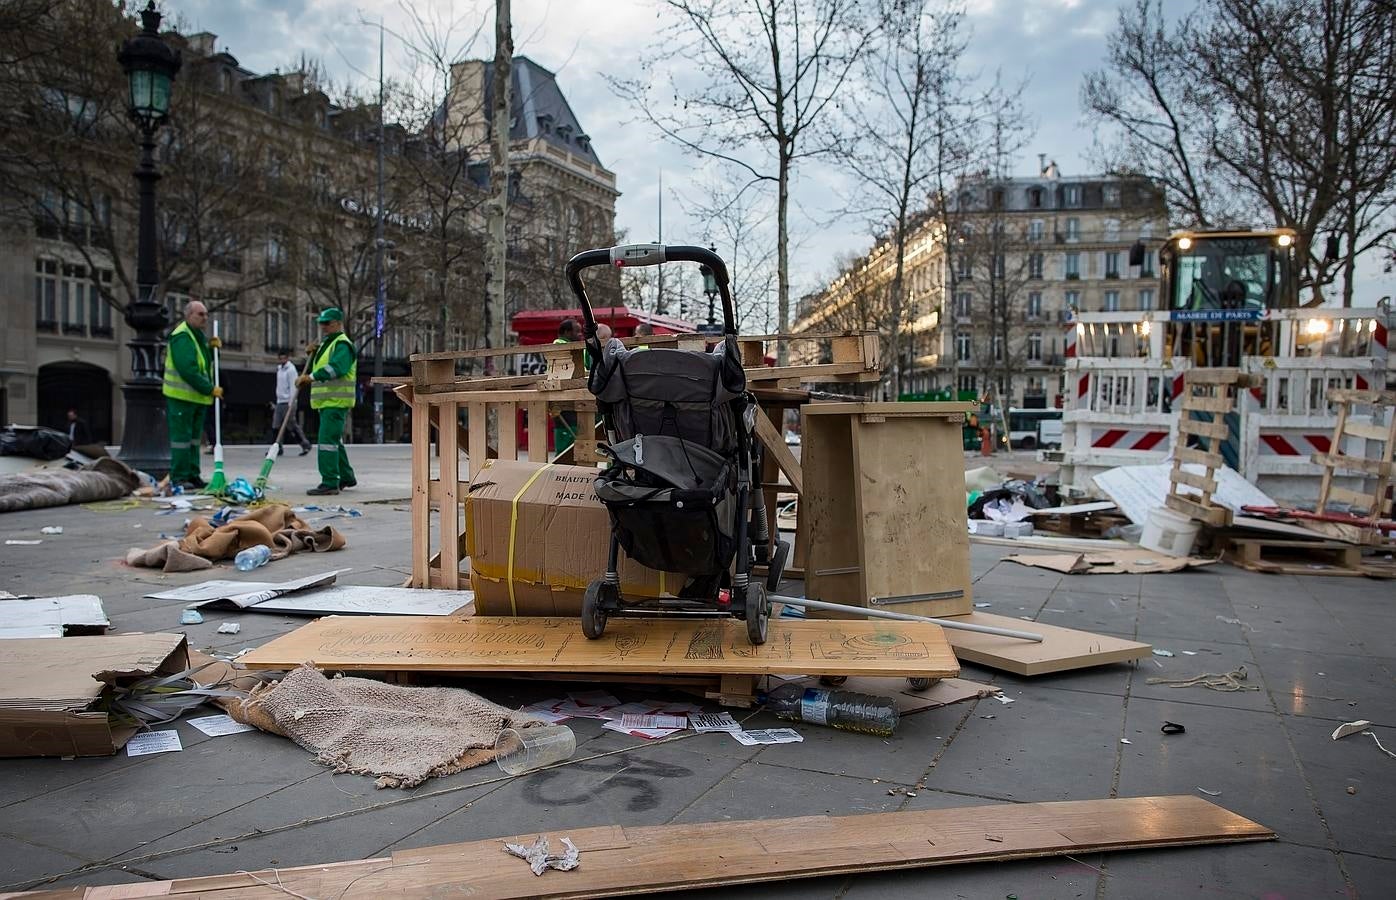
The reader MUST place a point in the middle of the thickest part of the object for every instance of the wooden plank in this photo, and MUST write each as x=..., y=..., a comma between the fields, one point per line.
x=630, y=646
x=519, y=396
x=421, y=477
x=1062, y=649
x=1355, y=463
x=490, y=383
x=450, y=498
x=507, y=422
x=1217, y=516
x=539, y=426
x=1211, y=376
x=1204, y=429
x=1198, y=457
x=1201, y=482
x=1351, y=498
x=1367, y=431
x=1209, y=404
x=641, y=860
x=920, y=408
x=476, y=435
x=774, y=442
x=1365, y=398
x=829, y=512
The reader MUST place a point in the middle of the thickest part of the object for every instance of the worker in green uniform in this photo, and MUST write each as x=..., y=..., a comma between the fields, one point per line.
x=333, y=379
x=189, y=392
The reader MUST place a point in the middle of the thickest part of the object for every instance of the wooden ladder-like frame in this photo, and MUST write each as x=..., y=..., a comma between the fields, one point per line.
x=1377, y=468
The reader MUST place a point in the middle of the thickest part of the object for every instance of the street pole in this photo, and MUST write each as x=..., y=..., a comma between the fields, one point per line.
x=380, y=300
x=150, y=65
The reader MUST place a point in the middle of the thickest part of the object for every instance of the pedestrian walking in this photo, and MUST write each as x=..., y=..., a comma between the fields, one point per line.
x=189, y=392
x=285, y=391
x=334, y=371
x=79, y=434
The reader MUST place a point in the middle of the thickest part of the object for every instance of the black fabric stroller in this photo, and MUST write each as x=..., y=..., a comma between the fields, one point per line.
x=683, y=486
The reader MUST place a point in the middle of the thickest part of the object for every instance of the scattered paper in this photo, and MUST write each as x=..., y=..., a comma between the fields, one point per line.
x=768, y=736
x=229, y=628
x=653, y=722
x=1210, y=793
x=217, y=726
x=1002, y=699
x=14, y=543
x=539, y=859
x=1158, y=652
x=648, y=734
x=148, y=742
x=982, y=605
x=51, y=529
x=544, y=711
x=594, y=698
x=1189, y=652
x=707, y=722
x=1126, y=741
x=191, y=617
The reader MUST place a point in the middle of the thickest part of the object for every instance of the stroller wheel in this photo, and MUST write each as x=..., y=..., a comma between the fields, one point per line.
x=920, y=684
x=775, y=569
x=758, y=611
x=832, y=680
x=598, y=596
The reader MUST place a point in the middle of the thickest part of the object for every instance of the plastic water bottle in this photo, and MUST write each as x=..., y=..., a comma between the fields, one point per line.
x=847, y=710
x=252, y=558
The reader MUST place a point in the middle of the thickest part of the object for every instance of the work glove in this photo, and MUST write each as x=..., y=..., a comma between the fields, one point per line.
x=303, y=380
x=215, y=343
x=218, y=390
x=311, y=348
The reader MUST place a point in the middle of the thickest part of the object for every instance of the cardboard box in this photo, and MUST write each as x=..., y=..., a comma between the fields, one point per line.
x=51, y=690
x=543, y=525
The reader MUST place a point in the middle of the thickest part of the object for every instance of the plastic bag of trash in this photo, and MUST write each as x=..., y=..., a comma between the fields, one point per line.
x=35, y=443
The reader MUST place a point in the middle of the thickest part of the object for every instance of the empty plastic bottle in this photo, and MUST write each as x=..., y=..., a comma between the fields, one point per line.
x=847, y=710
x=252, y=558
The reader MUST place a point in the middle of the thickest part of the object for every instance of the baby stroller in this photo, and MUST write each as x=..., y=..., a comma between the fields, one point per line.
x=683, y=485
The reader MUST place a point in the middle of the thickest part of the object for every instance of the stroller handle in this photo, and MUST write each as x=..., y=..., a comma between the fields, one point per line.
x=626, y=255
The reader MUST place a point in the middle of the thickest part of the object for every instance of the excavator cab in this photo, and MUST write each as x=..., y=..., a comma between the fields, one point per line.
x=1217, y=286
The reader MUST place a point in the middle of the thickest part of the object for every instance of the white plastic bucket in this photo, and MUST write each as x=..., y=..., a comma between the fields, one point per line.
x=1168, y=532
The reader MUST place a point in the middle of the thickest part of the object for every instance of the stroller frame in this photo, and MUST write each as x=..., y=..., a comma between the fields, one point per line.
x=722, y=592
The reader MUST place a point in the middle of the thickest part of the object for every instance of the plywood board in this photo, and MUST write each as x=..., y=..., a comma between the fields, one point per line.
x=40, y=617
x=339, y=599
x=1111, y=562
x=1061, y=650
x=621, y=861
x=1138, y=489
x=630, y=646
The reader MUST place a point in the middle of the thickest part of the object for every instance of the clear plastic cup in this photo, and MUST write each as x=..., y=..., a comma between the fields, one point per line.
x=520, y=750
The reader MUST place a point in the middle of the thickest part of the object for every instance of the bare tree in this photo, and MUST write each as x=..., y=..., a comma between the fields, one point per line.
x=770, y=69
x=736, y=224
x=1278, y=109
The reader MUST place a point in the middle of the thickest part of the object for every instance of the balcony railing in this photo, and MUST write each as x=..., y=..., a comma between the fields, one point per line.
x=46, y=325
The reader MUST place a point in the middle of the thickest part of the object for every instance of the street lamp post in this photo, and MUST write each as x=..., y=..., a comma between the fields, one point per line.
x=710, y=286
x=150, y=65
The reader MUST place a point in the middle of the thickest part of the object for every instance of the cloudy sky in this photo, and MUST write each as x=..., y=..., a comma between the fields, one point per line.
x=1048, y=44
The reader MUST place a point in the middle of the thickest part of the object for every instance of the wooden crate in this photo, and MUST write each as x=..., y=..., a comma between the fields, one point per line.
x=1280, y=557
x=1209, y=395
x=884, y=506
x=437, y=395
x=1374, y=467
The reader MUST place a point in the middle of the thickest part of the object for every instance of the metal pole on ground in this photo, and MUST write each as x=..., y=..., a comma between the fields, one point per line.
x=906, y=617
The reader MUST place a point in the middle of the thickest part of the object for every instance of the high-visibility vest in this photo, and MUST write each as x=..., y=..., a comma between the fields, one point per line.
x=175, y=387
x=337, y=392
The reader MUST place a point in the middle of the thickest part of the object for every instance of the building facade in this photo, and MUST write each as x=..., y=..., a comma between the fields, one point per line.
x=269, y=204
x=993, y=281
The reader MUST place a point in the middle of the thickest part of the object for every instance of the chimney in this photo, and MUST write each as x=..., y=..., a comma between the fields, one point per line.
x=203, y=43
x=1042, y=163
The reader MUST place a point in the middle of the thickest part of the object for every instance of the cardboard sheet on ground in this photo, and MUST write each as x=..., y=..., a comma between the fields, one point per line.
x=50, y=690
x=45, y=617
x=1114, y=562
x=1138, y=489
x=942, y=693
x=316, y=596
x=1062, y=649
x=629, y=646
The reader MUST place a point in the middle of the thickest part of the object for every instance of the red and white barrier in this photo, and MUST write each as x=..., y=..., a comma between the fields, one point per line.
x=1127, y=439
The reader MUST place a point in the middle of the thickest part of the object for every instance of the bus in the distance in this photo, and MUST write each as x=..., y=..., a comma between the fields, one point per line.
x=1029, y=429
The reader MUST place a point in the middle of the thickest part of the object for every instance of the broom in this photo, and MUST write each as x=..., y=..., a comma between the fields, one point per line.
x=275, y=449
x=219, y=482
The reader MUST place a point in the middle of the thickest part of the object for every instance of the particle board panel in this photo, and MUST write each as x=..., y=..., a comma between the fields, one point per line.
x=630, y=646
x=624, y=861
x=1061, y=650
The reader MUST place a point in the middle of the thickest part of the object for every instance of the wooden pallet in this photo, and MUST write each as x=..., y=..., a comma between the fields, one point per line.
x=1282, y=557
x=1375, y=466
x=1208, y=396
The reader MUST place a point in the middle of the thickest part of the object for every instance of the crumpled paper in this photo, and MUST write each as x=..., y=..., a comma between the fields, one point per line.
x=538, y=858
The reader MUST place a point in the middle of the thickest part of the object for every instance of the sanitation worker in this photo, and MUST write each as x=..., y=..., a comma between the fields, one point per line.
x=333, y=377
x=189, y=392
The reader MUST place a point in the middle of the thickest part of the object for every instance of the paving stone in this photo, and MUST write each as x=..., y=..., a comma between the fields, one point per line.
x=22, y=862
x=1105, y=613
x=756, y=790
x=1211, y=659
x=1245, y=755
x=1360, y=821
x=1372, y=877
x=1331, y=686
x=1272, y=869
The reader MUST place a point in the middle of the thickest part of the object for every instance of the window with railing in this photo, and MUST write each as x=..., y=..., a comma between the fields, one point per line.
x=964, y=302
x=1146, y=269
x=968, y=383
x=278, y=326
x=1073, y=300
x=1036, y=229
x=1035, y=265
x=1071, y=265
x=275, y=253
x=964, y=346
x=1071, y=195
x=1034, y=347
x=1112, y=301
x=72, y=299
x=1112, y=264
x=228, y=318
x=1146, y=298
x=1073, y=229
x=46, y=294
x=963, y=269
x=1034, y=304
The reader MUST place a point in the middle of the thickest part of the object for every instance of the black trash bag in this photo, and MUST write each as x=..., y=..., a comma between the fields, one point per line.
x=35, y=443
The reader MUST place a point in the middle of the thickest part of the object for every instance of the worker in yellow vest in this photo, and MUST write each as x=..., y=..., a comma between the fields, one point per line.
x=189, y=392
x=333, y=378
